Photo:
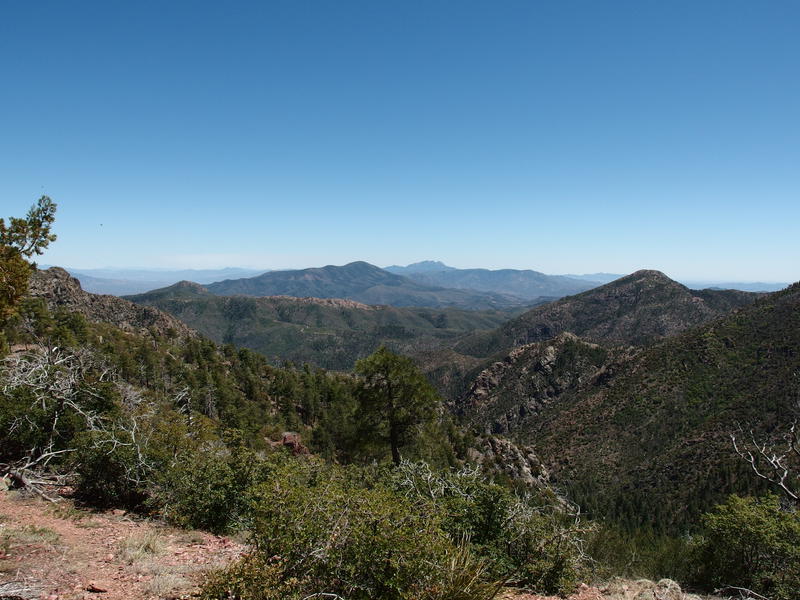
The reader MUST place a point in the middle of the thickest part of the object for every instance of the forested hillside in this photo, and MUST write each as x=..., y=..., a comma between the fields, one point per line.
x=363, y=282
x=126, y=406
x=156, y=419
x=635, y=309
x=643, y=435
x=326, y=332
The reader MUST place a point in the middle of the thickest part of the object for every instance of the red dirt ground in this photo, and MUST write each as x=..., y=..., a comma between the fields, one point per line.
x=59, y=553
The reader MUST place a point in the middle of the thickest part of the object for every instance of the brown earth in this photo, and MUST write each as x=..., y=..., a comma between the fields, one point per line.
x=58, y=552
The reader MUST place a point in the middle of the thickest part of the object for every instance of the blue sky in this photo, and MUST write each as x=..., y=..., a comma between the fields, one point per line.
x=561, y=136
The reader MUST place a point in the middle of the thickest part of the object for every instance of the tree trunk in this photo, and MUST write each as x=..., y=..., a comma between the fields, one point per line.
x=394, y=441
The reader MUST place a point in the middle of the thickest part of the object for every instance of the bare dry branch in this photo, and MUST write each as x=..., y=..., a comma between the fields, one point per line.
x=775, y=465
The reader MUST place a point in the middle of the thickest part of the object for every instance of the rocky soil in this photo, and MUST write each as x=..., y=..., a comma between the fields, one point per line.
x=622, y=589
x=57, y=552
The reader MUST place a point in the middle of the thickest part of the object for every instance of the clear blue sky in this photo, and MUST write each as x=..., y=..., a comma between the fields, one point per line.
x=561, y=136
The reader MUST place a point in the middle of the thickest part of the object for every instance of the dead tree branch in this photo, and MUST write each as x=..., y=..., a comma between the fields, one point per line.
x=774, y=463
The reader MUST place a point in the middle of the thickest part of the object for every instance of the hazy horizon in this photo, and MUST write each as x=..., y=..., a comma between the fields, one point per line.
x=167, y=270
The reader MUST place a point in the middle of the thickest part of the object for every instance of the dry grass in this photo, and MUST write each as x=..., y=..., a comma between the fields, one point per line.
x=166, y=585
x=27, y=535
x=168, y=581
x=192, y=537
x=66, y=510
x=140, y=546
x=12, y=538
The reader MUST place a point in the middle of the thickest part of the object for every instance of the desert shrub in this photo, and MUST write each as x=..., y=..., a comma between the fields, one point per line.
x=125, y=460
x=528, y=539
x=107, y=474
x=205, y=486
x=337, y=531
x=752, y=543
x=162, y=462
x=640, y=553
x=253, y=577
x=339, y=537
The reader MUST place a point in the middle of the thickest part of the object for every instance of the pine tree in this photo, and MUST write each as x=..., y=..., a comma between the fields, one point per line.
x=394, y=398
x=20, y=240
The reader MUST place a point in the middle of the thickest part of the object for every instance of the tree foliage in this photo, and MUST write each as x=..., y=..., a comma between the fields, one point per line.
x=752, y=543
x=20, y=239
x=394, y=399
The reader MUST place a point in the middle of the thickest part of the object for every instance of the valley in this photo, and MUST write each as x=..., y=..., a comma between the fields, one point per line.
x=400, y=300
x=604, y=417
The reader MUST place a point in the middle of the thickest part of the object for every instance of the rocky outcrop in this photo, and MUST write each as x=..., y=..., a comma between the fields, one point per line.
x=644, y=589
x=332, y=302
x=62, y=291
x=294, y=443
x=532, y=377
x=519, y=463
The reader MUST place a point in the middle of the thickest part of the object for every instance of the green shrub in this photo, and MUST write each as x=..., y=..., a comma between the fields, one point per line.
x=640, y=553
x=252, y=577
x=336, y=531
x=107, y=474
x=528, y=540
x=205, y=488
x=198, y=477
x=339, y=537
x=168, y=464
x=751, y=543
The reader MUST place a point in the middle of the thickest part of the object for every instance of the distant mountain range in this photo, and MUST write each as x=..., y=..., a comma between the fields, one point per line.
x=525, y=284
x=425, y=266
x=363, y=282
x=746, y=286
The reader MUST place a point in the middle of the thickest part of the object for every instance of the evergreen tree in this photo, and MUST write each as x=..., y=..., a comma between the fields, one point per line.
x=394, y=398
x=20, y=239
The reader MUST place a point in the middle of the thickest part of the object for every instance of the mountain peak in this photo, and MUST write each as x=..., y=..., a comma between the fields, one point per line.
x=182, y=289
x=357, y=265
x=429, y=265
x=634, y=309
x=647, y=274
x=190, y=285
x=423, y=266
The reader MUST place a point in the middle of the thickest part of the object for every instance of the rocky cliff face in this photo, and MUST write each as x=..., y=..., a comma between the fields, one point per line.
x=518, y=462
x=510, y=392
x=62, y=291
